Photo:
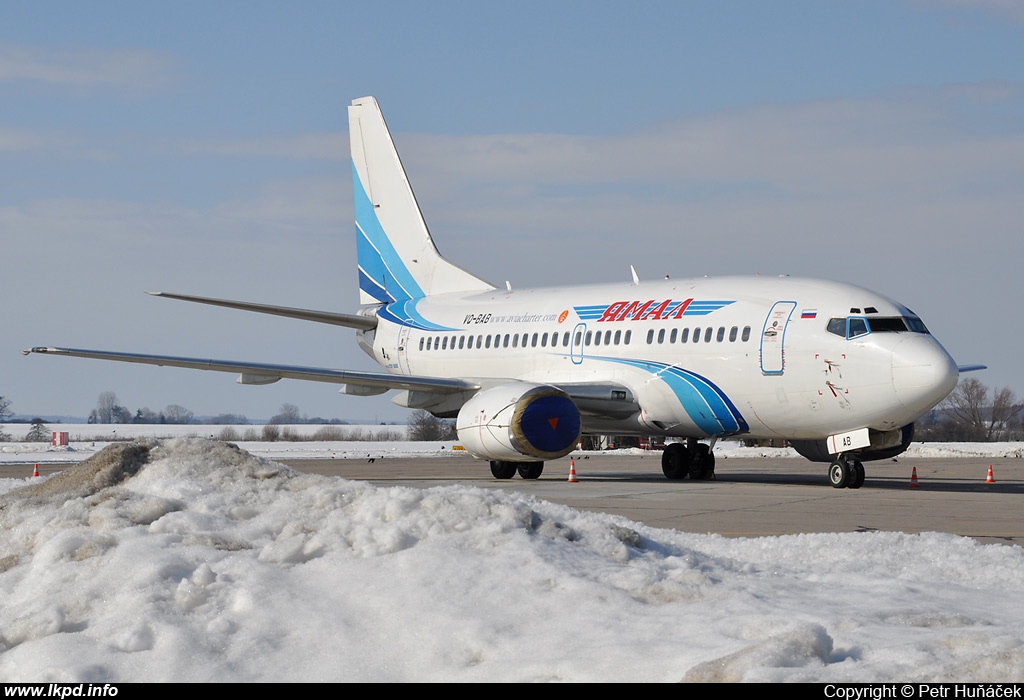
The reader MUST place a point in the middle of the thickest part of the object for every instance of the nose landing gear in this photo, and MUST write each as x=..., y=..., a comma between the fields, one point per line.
x=846, y=472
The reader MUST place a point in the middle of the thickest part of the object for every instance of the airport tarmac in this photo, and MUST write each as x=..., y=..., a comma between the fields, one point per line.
x=750, y=497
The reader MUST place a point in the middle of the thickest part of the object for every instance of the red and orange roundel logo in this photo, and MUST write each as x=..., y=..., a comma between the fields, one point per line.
x=562, y=316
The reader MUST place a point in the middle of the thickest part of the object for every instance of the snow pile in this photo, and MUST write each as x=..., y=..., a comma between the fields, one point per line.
x=191, y=560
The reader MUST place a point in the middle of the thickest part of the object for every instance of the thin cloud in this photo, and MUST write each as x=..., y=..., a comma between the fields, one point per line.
x=1012, y=10
x=827, y=150
x=322, y=145
x=19, y=140
x=135, y=69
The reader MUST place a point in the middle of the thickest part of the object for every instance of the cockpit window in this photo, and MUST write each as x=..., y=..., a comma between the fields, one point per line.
x=855, y=326
x=915, y=324
x=887, y=325
x=897, y=324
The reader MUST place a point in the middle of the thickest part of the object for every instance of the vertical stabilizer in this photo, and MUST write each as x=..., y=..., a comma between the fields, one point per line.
x=397, y=257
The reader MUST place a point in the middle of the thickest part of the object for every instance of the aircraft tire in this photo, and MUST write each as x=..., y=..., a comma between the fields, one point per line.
x=675, y=461
x=857, y=476
x=503, y=470
x=531, y=470
x=838, y=475
x=702, y=464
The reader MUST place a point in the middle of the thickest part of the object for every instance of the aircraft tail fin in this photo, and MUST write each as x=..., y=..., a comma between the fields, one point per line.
x=396, y=255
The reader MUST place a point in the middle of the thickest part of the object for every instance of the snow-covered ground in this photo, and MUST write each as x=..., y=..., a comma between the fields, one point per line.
x=191, y=560
x=89, y=439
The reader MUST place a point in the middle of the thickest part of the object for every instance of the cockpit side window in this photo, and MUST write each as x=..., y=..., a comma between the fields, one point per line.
x=915, y=324
x=856, y=326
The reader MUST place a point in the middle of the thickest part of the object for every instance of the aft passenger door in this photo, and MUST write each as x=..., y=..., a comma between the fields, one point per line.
x=773, y=337
x=403, y=352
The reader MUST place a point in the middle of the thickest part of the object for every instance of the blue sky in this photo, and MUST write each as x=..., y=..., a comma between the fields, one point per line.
x=202, y=148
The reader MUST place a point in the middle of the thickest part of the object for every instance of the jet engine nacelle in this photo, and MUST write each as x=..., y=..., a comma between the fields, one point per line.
x=519, y=422
x=883, y=446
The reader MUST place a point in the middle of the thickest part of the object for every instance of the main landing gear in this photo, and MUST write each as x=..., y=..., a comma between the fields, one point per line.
x=694, y=460
x=506, y=470
x=846, y=472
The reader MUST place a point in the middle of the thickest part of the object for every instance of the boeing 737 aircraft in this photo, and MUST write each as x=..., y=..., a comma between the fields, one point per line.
x=839, y=371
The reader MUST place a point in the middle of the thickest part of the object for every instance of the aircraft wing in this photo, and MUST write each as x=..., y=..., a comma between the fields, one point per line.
x=368, y=383
x=610, y=400
x=335, y=319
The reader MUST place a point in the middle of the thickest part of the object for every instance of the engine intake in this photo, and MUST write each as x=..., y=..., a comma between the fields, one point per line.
x=519, y=422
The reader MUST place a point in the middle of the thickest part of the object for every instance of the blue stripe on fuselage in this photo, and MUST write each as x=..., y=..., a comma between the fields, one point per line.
x=703, y=401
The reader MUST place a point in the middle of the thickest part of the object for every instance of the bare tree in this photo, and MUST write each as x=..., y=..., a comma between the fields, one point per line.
x=178, y=415
x=1005, y=409
x=105, y=404
x=5, y=415
x=288, y=414
x=108, y=410
x=974, y=417
x=146, y=416
x=426, y=427
x=965, y=406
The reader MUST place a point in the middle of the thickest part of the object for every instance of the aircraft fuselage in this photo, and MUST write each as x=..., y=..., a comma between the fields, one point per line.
x=705, y=357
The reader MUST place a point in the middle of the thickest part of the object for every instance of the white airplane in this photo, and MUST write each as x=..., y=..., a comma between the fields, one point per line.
x=839, y=371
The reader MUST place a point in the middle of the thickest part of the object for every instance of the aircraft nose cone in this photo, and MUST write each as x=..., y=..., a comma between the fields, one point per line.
x=923, y=373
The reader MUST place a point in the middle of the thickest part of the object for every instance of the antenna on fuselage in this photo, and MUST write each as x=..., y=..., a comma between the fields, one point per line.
x=632, y=271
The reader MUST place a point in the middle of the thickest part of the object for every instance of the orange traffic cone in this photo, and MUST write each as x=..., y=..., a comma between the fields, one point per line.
x=572, y=472
x=35, y=472
x=990, y=479
x=913, y=479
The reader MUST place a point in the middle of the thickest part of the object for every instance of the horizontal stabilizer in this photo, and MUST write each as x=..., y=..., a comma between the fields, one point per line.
x=971, y=368
x=335, y=319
